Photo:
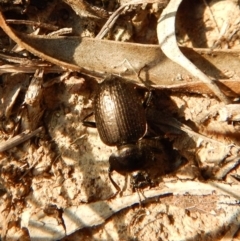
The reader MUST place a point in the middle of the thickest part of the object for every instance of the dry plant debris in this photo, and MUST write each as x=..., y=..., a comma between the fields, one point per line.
x=54, y=171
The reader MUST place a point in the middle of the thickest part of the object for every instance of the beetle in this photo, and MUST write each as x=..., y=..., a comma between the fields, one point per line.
x=121, y=121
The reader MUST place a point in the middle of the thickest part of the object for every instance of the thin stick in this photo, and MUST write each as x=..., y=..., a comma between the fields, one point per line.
x=36, y=24
x=16, y=140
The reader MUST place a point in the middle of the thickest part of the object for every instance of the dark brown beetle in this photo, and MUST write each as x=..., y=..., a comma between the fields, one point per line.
x=121, y=121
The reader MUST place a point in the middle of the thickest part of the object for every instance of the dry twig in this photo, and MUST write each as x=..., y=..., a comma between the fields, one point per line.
x=16, y=140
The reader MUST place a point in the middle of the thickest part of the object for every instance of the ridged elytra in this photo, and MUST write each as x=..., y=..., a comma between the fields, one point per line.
x=119, y=113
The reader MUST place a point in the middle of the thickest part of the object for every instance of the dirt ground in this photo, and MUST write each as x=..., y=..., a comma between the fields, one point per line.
x=54, y=184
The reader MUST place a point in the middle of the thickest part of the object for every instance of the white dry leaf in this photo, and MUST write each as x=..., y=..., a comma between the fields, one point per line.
x=92, y=214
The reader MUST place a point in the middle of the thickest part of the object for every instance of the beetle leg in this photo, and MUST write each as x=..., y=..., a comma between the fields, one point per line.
x=89, y=123
x=139, y=197
x=114, y=183
x=147, y=99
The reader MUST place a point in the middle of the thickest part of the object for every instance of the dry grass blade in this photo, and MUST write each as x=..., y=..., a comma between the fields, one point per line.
x=7, y=68
x=36, y=24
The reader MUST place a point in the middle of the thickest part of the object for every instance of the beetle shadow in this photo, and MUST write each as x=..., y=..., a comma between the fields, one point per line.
x=166, y=159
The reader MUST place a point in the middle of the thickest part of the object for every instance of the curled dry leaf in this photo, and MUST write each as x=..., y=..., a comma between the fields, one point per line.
x=168, y=43
x=97, y=57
